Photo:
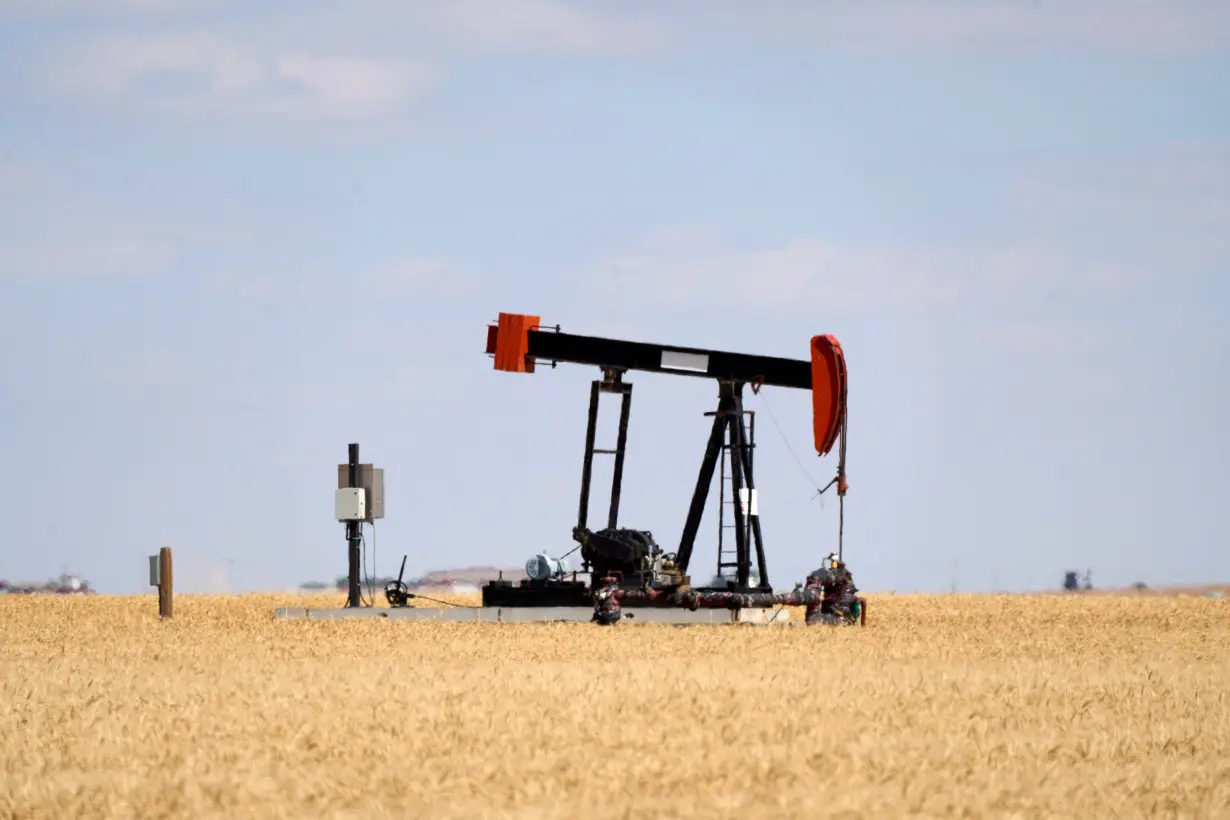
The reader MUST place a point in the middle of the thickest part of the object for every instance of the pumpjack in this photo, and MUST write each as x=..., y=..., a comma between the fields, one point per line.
x=631, y=559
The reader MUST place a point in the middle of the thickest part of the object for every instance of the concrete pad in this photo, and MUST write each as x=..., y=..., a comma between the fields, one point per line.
x=463, y=614
x=526, y=614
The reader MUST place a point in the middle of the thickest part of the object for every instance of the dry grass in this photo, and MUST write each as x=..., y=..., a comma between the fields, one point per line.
x=1010, y=706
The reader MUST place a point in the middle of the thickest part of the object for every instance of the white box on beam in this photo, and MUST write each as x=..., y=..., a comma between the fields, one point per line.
x=682, y=360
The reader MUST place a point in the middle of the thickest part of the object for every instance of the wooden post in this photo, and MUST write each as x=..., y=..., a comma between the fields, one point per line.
x=166, y=586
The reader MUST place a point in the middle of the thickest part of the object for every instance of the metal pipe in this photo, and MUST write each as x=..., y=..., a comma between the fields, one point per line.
x=814, y=596
x=621, y=444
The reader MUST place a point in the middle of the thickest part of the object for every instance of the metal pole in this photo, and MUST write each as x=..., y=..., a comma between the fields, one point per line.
x=738, y=485
x=353, y=535
x=704, y=484
x=753, y=537
x=587, y=467
x=841, y=490
x=166, y=584
x=621, y=443
x=721, y=511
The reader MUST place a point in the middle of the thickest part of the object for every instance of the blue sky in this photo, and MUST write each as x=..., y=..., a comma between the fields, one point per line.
x=236, y=237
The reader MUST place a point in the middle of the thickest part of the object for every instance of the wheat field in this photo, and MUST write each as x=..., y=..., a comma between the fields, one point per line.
x=942, y=706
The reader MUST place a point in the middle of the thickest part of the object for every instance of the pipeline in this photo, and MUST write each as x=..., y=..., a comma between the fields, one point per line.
x=822, y=605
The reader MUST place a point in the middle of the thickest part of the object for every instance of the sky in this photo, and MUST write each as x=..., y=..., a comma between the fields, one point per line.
x=235, y=238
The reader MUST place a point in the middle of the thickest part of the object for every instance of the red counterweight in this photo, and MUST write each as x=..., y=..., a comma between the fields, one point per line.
x=509, y=342
x=828, y=391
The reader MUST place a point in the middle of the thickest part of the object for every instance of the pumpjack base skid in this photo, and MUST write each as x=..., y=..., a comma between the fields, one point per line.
x=571, y=593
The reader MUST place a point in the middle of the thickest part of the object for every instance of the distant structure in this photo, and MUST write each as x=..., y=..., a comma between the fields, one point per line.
x=1072, y=582
x=66, y=584
x=462, y=579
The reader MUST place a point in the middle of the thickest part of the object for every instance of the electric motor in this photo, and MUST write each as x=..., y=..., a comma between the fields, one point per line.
x=543, y=566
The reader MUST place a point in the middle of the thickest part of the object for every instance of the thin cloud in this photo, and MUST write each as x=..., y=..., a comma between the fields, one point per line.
x=901, y=27
x=1083, y=226
x=1165, y=210
x=51, y=227
x=545, y=26
x=202, y=73
x=795, y=272
x=485, y=26
x=1019, y=336
x=96, y=10
x=1187, y=183
x=155, y=369
x=703, y=272
x=573, y=27
x=85, y=258
x=409, y=278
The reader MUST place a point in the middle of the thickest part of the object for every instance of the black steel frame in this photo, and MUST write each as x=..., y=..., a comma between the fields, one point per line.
x=732, y=371
x=611, y=382
x=727, y=448
x=728, y=425
x=728, y=431
x=615, y=354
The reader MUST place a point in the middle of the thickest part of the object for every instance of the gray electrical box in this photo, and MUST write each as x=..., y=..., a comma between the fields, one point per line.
x=371, y=479
x=155, y=571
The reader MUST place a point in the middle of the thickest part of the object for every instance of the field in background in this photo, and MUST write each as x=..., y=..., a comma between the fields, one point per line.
x=973, y=706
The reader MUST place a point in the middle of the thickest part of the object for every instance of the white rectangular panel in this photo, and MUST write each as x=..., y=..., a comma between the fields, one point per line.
x=679, y=360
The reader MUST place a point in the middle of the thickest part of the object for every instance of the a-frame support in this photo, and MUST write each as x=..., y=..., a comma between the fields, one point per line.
x=727, y=554
x=611, y=382
x=728, y=422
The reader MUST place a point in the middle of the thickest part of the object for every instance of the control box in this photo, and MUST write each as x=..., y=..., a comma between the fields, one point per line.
x=350, y=504
x=371, y=479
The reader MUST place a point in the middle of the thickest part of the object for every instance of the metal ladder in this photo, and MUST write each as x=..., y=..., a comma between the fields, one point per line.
x=728, y=556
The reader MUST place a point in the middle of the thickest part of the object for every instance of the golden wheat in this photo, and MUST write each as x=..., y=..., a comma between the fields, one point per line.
x=944, y=706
